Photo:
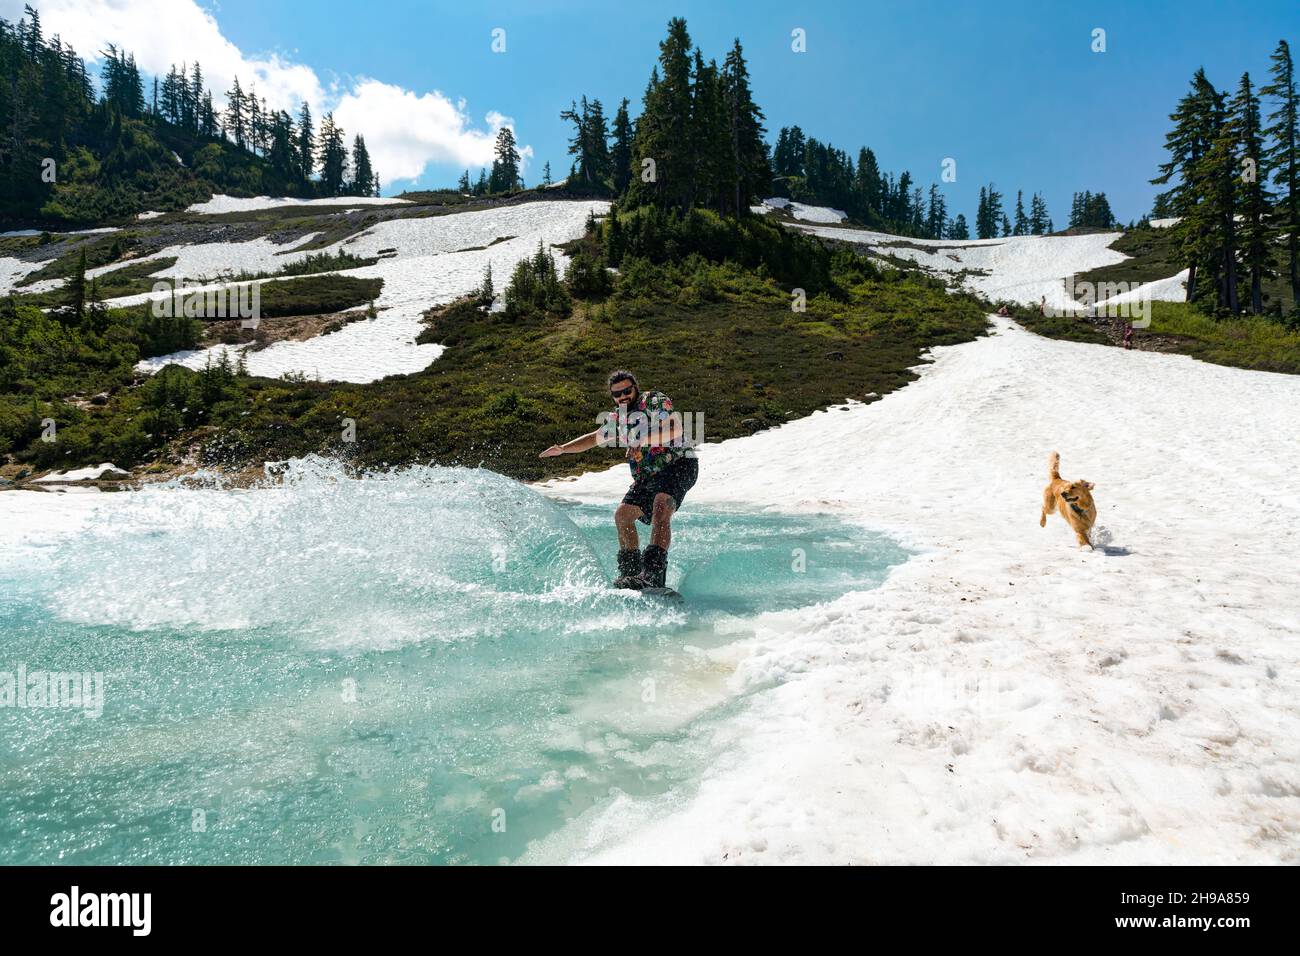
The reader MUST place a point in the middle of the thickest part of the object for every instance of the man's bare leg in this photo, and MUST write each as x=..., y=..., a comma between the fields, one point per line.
x=661, y=531
x=625, y=517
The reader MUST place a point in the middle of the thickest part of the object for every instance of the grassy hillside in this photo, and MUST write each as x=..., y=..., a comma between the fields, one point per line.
x=722, y=338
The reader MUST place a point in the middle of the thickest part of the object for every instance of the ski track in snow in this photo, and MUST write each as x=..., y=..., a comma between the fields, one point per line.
x=1005, y=697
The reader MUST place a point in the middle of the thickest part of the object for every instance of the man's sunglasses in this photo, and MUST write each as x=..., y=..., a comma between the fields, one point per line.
x=620, y=392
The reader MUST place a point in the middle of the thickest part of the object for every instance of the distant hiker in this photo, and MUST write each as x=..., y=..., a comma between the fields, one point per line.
x=662, y=473
x=1004, y=311
x=1042, y=306
x=1128, y=335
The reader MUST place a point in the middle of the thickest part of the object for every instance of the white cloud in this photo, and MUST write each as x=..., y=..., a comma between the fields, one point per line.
x=404, y=130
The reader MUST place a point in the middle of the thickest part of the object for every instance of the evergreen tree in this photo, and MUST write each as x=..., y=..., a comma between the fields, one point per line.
x=1283, y=156
x=1187, y=143
x=902, y=204
x=236, y=116
x=750, y=173
x=463, y=184
x=1021, y=225
x=306, y=143
x=590, y=144
x=77, y=290
x=937, y=216
x=663, y=131
x=363, y=176
x=620, y=154
x=332, y=156
x=546, y=174
x=505, y=168
x=712, y=168
x=959, y=229
x=1037, y=215
x=990, y=216
x=1253, y=198
x=194, y=99
x=280, y=152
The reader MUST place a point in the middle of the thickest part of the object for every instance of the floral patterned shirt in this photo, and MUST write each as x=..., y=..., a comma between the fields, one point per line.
x=648, y=418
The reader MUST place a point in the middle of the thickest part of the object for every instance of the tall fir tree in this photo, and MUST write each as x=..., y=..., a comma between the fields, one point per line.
x=306, y=164
x=1187, y=142
x=505, y=167
x=663, y=130
x=1253, y=199
x=1283, y=156
x=332, y=157
x=751, y=172
x=363, y=174
x=620, y=153
x=1037, y=215
x=1021, y=225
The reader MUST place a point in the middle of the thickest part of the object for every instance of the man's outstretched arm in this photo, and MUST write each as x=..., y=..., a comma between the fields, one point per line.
x=581, y=443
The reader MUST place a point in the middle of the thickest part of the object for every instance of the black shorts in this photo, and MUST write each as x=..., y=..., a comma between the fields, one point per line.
x=675, y=480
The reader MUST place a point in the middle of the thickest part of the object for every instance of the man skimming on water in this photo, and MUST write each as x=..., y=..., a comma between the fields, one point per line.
x=662, y=473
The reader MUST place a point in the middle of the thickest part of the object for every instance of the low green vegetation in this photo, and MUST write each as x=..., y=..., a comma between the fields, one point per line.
x=1253, y=342
x=78, y=370
x=714, y=327
x=1247, y=342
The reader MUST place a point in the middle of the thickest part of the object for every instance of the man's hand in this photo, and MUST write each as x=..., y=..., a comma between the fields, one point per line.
x=552, y=452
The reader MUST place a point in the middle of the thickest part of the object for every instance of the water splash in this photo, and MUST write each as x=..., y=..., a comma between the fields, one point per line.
x=377, y=669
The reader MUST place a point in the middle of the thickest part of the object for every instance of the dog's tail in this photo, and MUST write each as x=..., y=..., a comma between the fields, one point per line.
x=1054, y=463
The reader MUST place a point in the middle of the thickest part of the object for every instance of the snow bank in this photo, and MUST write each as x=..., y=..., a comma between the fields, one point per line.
x=82, y=474
x=1022, y=269
x=13, y=271
x=1173, y=289
x=221, y=203
x=1165, y=223
x=822, y=214
x=1004, y=697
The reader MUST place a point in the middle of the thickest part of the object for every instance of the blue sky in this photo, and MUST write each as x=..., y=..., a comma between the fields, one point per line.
x=1011, y=90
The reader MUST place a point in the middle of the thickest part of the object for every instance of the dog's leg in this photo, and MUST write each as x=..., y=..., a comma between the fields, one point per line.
x=1083, y=540
x=1049, y=506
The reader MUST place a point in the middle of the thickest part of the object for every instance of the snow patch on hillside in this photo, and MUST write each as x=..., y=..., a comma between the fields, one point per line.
x=438, y=259
x=83, y=474
x=223, y=204
x=801, y=211
x=1173, y=289
x=1024, y=269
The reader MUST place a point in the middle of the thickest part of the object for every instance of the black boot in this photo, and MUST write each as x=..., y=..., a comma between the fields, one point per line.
x=656, y=567
x=629, y=569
